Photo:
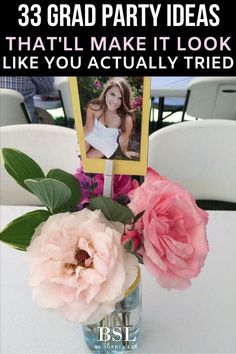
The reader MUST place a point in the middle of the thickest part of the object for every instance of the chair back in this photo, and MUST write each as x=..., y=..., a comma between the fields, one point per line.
x=212, y=98
x=49, y=145
x=62, y=85
x=12, y=108
x=200, y=155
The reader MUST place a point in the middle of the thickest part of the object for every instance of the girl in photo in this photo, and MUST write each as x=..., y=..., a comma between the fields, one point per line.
x=110, y=121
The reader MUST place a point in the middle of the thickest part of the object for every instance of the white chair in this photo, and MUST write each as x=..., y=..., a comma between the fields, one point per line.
x=62, y=85
x=12, y=108
x=211, y=98
x=50, y=146
x=200, y=155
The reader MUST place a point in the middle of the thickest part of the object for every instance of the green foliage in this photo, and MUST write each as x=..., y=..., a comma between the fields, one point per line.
x=20, y=166
x=112, y=210
x=19, y=232
x=52, y=193
x=129, y=245
x=59, y=192
x=138, y=216
x=139, y=258
x=136, y=82
x=72, y=183
x=90, y=87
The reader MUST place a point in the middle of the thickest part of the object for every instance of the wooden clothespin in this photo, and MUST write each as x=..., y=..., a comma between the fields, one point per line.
x=108, y=178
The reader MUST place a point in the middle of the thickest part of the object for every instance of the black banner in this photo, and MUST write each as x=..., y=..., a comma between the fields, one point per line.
x=139, y=38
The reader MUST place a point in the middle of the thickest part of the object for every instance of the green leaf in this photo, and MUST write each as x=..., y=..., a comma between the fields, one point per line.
x=139, y=215
x=52, y=193
x=129, y=245
x=112, y=210
x=20, y=166
x=19, y=232
x=71, y=182
x=140, y=258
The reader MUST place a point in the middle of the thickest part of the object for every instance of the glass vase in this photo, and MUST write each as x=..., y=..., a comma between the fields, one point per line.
x=119, y=331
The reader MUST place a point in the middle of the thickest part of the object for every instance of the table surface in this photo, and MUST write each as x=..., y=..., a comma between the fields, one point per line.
x=50, y=101
x=201, y=319
x=170, y=86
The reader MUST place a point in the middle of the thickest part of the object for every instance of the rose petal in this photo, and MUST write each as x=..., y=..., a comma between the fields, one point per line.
x=174, y=230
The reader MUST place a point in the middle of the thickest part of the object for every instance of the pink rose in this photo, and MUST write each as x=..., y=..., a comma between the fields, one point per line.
x=123, y=184
x=133, y=237
x=173, y=228
x=78, y=266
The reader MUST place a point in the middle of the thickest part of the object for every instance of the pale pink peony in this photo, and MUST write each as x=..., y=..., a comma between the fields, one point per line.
x=78, y=266
x=173, y=228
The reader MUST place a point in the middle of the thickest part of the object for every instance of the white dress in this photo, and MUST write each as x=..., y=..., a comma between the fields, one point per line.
x=103, y=138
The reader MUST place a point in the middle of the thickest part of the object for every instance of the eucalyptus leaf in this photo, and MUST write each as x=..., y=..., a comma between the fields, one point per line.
x=20, y=166
x=52, y=193
x=71, y=182
x=19, y=232
x=112, y=210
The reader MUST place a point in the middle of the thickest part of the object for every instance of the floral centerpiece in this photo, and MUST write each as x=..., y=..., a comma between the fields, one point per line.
x=84, y=249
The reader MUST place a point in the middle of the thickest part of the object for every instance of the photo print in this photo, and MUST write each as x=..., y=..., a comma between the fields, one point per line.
x=111, y=117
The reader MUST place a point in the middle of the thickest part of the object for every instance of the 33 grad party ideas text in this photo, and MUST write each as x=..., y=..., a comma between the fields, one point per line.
x=143, y=37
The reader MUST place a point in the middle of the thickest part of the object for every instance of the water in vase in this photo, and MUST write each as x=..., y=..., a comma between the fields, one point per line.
x=118, y=332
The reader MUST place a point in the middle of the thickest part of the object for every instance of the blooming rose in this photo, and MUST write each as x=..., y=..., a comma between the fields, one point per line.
x=174, y=231
x=123, y=184
x=78, y=266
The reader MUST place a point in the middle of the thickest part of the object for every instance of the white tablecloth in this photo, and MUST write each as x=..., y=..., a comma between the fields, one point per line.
x=170, y=86
x=201, y=319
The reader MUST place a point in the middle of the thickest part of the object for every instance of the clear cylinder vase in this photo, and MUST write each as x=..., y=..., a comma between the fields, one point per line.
x=118, y=332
